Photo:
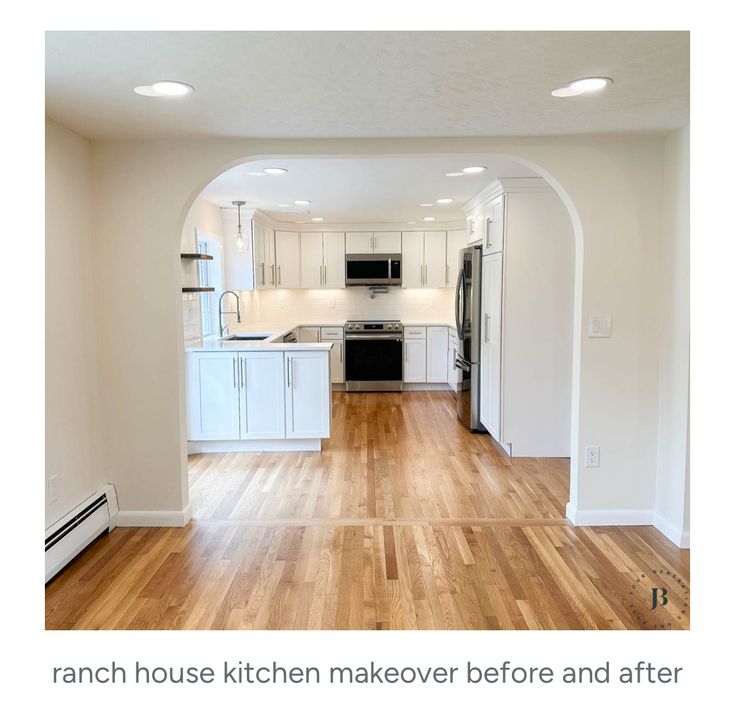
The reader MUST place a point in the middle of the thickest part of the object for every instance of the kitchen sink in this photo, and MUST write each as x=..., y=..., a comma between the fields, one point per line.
x=245, y=337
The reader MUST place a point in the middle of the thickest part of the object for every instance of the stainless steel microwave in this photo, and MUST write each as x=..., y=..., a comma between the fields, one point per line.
x=366, y=269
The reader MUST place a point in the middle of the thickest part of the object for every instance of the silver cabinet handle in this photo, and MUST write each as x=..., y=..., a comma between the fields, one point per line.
x=487, y=328
x=325, y=276
x=234, y=374
x=279, y=274
x=341, y=348
x=273, y=274
x=262, y=274
x=288, y=372
x=243, y=371
x=405, y=352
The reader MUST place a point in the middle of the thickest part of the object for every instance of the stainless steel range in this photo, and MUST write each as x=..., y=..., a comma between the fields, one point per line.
x=374, y=355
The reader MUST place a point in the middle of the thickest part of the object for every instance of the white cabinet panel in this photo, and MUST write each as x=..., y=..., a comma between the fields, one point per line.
x=288, y=259
x=359, y=242
x=454, y=375
x=475, y=226
x=312, y=264
x=262, y=405
x=334, y=260
x=456, y=241
x=414, y=360
x=435, y=259
x=494, y=226
x=413, y=259
x=437, y=343
x=490, y=350
x=308, y=398
x=336, y=362
x=213, y=407
x=265, y=256
x=387, y=242
x=309, y=334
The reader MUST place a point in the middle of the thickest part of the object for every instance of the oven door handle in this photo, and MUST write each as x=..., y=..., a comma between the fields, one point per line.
x=373, y=337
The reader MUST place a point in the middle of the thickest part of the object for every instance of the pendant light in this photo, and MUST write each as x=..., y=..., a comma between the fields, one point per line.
x=239, y=242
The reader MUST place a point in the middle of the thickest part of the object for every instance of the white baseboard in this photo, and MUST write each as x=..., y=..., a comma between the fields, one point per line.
x=427, y=386
x=254, y=445
x=154, y=519
x=677, y=535
x=609, y=517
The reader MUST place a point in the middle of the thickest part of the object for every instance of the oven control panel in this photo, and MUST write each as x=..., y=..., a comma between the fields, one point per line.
x=374, y=326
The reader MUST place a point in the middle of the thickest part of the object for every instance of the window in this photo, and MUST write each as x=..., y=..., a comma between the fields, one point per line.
x=210, y=275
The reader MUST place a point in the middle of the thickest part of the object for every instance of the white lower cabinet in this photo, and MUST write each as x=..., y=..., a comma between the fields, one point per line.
x=257, y=395
x=336, y=354
x=414, y=360
x=437, y=342
x=309, y=334
x=454, y=376
x=308, y=395
x=213, y=400
x=262, y=414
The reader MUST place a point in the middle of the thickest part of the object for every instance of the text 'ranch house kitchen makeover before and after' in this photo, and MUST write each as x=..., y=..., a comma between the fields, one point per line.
x=361, y=357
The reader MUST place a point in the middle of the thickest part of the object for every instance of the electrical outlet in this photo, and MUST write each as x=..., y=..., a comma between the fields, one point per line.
x=592, y=456
x=53, y=491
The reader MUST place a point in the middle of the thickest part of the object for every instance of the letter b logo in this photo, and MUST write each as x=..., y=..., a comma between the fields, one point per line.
x=659, y=597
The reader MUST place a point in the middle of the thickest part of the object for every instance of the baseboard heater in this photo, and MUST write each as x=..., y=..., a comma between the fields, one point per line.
x=66, y=538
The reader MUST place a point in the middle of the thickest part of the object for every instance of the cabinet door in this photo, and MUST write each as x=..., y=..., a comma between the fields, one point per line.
x=312, y=270
x=288, y=259
x=435, y=259
x=270, y=265
x=452, y=371
x=262, y=405
x=309, y=334
x=334, y=260
x=414, y=360
x=360, y=242
x=413, y=259
x=213, y=396
x=491, y=346
x=437, y=343
x=260, y=256
x=308, y=395
x=456, y=241
x=494, y=227
x=475, y=227
x=387, y=242
x=336, y=362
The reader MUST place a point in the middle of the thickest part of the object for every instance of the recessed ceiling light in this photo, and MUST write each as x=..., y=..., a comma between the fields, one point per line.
x=275, y=170
x=161, y=89
x=302, y=202
x=474, y=170
x=429, y=218
x=256, y=174
x=444, y=200
x=427, y=204
x=455, y=174
x=575, y=88
x=317, y=218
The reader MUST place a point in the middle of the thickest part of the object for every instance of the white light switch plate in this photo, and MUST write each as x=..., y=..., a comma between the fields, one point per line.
x=592, y=456
x=599, y=326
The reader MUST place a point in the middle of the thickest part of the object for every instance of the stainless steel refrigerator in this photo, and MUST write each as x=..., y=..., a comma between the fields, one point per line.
x=468, y=315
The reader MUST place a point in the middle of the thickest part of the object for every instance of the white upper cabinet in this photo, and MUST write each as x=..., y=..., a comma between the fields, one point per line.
x=264, y=240
x=373, y=242
x=456, y=241
x=288, y=260
x=262, y=404
x=308, y=395
x=322, y=260
x=435, y=259
x=476, y=226
x=334, y=260
x=359, y=242
x=387, y=242
x=494, y=226
x=424, y=259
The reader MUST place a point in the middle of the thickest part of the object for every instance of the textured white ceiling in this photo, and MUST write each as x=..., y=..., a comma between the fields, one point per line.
x=366, y=84
x=365, y=190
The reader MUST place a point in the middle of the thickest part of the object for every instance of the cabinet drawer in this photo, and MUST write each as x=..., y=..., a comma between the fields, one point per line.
x=414, y=332
x=332, y=333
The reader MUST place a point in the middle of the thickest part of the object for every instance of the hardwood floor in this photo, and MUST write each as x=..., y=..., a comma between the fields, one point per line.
x=404, y=521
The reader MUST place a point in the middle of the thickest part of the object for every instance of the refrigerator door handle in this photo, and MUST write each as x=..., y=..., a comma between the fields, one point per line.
x=459, y=296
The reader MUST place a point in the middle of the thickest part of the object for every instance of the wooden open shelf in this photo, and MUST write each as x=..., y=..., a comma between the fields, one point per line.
x=196, y=256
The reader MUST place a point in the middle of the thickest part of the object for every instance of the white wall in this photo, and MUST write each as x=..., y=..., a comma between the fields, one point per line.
x=143, y=191
x=672, y=475
x=73, y=429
